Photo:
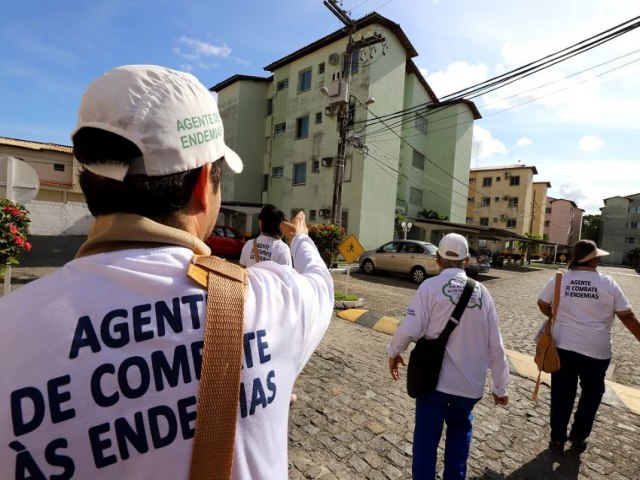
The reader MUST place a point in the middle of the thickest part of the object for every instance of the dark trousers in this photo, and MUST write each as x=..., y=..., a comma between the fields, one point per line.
x=433, y=410
x=564, y=383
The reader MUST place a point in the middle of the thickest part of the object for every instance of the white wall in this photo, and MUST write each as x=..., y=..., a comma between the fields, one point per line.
x=53, y=218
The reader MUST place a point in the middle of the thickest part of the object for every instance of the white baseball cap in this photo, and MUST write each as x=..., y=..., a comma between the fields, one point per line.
x=169, y=115
x=453, y=246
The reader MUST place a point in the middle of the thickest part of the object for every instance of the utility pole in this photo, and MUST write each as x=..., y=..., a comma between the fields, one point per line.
x=343, y=111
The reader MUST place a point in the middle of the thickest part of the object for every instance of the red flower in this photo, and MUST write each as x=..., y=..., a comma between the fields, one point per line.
x=13, y=229
x=27, y=246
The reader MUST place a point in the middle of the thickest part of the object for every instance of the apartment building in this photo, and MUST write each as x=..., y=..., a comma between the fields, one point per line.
x=620, y=227
x=405, y=149
x=59, y=207
x=507, y=197
x=563, y=221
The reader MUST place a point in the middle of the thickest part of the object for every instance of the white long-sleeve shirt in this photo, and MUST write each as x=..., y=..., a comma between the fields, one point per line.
x=474, y=345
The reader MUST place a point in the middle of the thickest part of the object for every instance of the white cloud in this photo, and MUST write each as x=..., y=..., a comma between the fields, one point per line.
x=590, y=143
x=204, y=48
x=523, y=141
x=484, y=145
x=457, y=76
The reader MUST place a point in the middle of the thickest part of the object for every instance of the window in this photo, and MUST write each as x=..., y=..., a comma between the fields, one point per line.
x=344, y=219
x=312, y=213
x=546, y=223
x=421, y=123
x=280, y=128
x=511, y=223
x=513, y=202
x=355, y=61
x=300, y=173
x=496, y=199
x=472, y=180
x=58, y=167
x=277, y=172
x=315, y=166
x=304, y=80
x=470, y=199
x=514, y=181
x=632, y=225
x=318, y=118
x=320, y=68
x=495, y=219
x=486, y=202
x=497, y=179
x=415, y=196
x=630, y=240
x=269, y=106
x=302, y=127
x=418, y=160
x=282, y=84
x=486, y=181
x=484, y=221
x=547, y=210
x=265, y=182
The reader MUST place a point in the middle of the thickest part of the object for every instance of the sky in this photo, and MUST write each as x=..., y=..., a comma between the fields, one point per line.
x=578, y=122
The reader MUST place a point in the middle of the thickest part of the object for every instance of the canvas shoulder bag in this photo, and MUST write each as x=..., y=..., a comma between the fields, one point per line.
x=219, y=391
x=425, y=360
x=255, y=250
x=547, y=358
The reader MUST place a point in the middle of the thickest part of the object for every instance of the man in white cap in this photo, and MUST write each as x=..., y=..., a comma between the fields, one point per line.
x=589, y=303
x=101, y=359
x=474, y=346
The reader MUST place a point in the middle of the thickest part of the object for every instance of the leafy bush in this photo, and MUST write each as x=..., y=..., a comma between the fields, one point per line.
x=327, y=238
x=14, y=230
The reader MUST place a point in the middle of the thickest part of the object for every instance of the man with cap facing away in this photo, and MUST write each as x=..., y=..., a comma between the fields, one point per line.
x=474, y=345
x=101, y=359
x=589, y=303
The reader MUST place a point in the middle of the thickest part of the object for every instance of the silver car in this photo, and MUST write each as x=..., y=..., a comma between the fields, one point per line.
x=409, y=257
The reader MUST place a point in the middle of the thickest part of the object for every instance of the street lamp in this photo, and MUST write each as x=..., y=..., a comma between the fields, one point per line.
x=406, y=226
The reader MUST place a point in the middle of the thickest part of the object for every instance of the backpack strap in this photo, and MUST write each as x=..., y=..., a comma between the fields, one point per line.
x=255, y=250
x=219, y=391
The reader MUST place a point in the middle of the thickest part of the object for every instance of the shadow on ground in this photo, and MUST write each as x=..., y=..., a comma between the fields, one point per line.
x=51, y=250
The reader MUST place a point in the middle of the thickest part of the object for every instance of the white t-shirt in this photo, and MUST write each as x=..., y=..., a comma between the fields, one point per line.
x=100, y=362
x=474, y=345
x=588, y=303
x=269, y=248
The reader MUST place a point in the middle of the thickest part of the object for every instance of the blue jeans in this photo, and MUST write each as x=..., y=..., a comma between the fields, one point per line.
x=432, y=411
x=564, y=384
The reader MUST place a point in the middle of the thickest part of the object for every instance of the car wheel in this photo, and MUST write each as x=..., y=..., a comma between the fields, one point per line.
x=418, y=274
x=367, y=267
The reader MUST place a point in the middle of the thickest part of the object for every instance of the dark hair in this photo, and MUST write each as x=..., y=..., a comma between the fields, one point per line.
x=581, y=249
x=271, y=218
x=152, y=197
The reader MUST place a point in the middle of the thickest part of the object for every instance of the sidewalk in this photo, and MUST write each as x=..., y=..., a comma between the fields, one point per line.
x=351, y=421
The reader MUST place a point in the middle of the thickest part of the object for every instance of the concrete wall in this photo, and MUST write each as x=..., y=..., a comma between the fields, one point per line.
x=54, y=218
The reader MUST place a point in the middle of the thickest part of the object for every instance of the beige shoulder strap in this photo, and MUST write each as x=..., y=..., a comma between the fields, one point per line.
x=219, y=394
x=255, y=250
x=556, y=298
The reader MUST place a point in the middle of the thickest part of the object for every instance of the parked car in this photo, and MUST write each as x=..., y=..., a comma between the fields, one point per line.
x=225, y=241
x=478, y=264
x=409, y=257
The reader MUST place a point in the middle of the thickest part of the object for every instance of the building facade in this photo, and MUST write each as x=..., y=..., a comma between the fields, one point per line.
x=507, y=197
x=563, y=223
x=620, y=227
x=59, y=207
x=405, y=152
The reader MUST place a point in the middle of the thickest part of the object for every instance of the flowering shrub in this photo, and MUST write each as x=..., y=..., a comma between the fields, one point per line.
x=327, y=238
x=14, y=229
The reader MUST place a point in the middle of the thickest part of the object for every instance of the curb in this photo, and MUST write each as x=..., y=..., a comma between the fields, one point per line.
x=616, y=395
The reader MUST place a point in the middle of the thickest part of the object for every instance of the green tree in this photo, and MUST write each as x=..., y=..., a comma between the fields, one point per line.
x=529, y=248
x=327, y=238
x=432, y=215
x=591, y=227
x=397, y=224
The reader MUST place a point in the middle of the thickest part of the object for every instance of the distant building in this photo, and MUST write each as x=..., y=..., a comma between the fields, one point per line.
x=507, y=197
x=60, y=207
x=408, y=151
x=563, y=224
x=620, y=227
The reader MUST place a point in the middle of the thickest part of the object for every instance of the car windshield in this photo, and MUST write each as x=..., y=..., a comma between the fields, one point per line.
x=431, y=248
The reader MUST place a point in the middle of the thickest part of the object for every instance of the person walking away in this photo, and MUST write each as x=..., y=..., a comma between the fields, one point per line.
x=268, y=243
x=101, y=359
x=474, y=346
x=589, y=303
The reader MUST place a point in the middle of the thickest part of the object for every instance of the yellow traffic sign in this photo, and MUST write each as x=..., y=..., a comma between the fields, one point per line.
x=350, y=248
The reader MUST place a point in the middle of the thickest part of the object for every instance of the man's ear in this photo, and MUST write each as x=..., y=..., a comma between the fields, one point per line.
x=202, y=189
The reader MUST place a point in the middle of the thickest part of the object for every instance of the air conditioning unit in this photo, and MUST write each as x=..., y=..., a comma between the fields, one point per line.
x=324, y=212
x=327, y=161
x=506, y=197
x=334, y=59
x=507, y=174
x=330, y=110
x=503, y=218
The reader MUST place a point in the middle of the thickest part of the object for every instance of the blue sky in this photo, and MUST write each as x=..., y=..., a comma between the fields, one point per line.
x=582, y=132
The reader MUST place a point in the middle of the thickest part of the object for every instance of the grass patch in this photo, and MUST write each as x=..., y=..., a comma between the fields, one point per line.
x=345, y=298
